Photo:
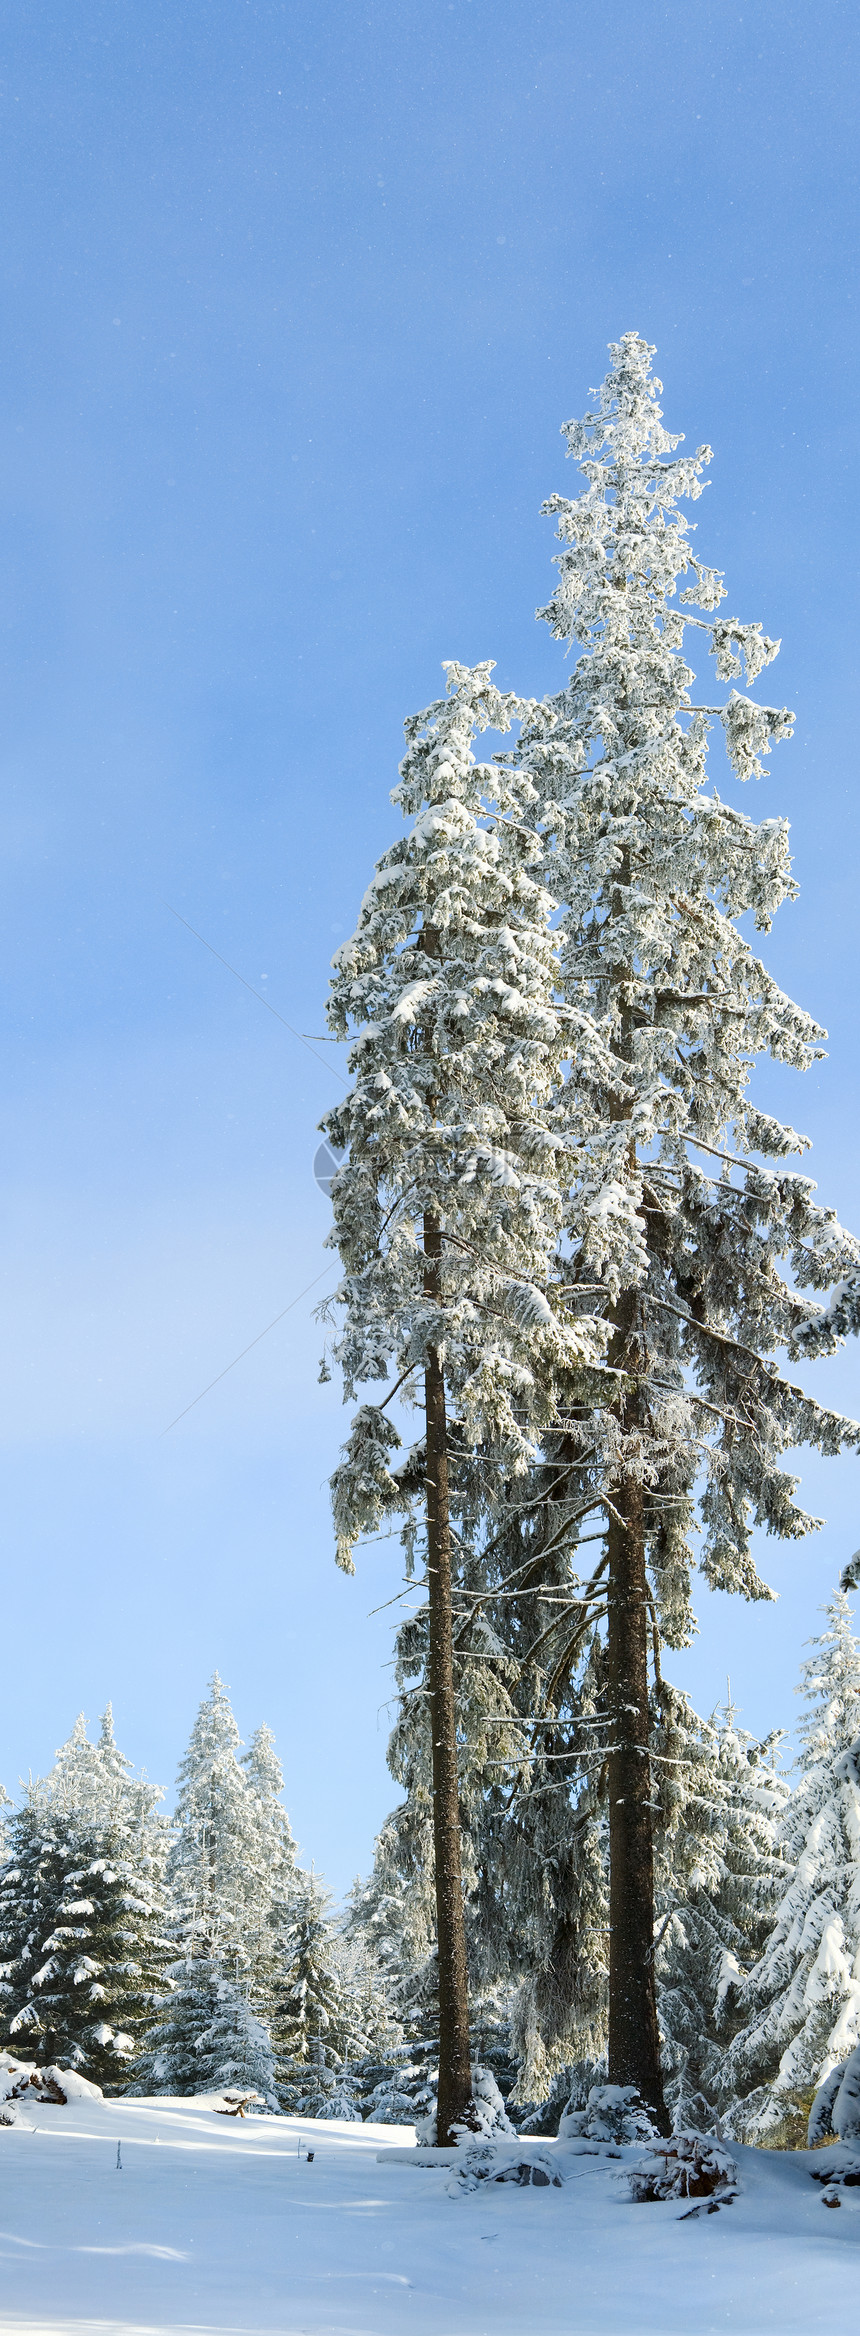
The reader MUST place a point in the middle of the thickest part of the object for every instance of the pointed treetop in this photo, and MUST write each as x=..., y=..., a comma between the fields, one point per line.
x=262, y=1764
x=628, y=416
x=215, y=1728
x=448, y=992
x=626, y=546
x=78, y=1735
x=830, y=1684
x=95, y=1783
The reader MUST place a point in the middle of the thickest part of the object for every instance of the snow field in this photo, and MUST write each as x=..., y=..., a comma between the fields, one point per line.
x=217, y=2224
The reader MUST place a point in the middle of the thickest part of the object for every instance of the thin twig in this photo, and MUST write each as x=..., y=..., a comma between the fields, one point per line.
x=174, y=1423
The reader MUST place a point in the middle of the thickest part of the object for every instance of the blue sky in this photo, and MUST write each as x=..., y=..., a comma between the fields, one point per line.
x=295, y=300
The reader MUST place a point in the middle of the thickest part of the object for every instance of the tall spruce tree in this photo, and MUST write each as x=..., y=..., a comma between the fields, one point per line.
x=447, y=1210
x=798, y=2009
x=672, y=1227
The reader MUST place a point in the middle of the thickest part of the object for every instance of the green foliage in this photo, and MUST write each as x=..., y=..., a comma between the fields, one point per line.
x=209, y=2036
x=82, y=1944
x=310, y=2015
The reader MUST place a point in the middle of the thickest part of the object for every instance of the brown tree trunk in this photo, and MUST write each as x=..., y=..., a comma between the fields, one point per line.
x=455, y=2076
x=634, y=2045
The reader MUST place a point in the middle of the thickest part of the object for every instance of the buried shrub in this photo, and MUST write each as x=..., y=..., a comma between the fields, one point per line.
x=484, y=2162
x=691, y=2165
x=612, y=2113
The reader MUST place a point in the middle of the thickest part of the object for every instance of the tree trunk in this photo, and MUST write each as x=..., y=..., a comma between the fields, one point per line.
x=455, y=2077
x=634, y=2048
x=634, y=2045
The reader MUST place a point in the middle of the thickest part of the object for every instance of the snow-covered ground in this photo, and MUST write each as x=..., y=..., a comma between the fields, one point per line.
x=219, y=2225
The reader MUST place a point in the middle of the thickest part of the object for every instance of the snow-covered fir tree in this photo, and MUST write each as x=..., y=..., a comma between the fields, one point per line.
x=537, y=1905
x=96, y=1783
x=209, y=2036
x=233, y=1861
x=80, y=1982
x=312, y=2013
x=800, y=2004
x=83, y=1946
x=719, y=1875
x=232, y=1875
x=390, y=1926
x=270, y=1902
x=389, y=1919
x=447, y=1210
x=704, y=1262
x=217, y=1864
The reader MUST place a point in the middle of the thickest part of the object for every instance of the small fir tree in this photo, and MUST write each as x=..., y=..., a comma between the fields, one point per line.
x=82, y=1913
x=209, y=2037
x=233, y=1874
x=800, y=2004
x=311, y=2018
x=217, y=1863
x=390, y=1922
x=274, y=1872
x=719, y=1875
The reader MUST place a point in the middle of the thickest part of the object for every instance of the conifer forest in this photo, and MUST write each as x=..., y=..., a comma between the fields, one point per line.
x=429, y=1177
x=580, y=1272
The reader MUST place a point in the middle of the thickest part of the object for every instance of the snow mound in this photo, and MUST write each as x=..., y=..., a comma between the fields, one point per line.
x=612, y=2113
x=485, y=2116
x=691, y=2165
x=836, y=2107
x=21, y=2080
x=837, y=2168
x=483, y=2161
x=219, y=2223
x=49, y=2084
x=73, y=2087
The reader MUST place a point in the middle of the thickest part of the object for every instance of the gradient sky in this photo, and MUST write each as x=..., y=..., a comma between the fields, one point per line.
x=294, y=302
